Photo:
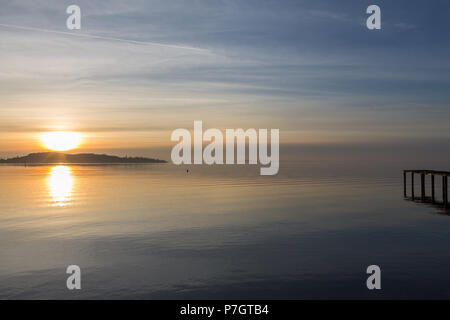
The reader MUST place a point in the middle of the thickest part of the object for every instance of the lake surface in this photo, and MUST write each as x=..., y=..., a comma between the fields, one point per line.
x=225, y=232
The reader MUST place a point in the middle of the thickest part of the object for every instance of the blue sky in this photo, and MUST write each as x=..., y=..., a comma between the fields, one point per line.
x=310, y=68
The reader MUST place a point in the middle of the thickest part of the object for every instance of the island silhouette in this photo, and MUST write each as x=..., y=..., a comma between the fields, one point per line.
x=80, y=158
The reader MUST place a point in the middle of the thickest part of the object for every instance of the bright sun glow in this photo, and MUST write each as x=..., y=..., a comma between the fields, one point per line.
x=61, y=141
x=60, y=182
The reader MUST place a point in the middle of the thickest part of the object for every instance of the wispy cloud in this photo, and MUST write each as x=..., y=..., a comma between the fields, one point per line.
x=310, y=68
x=92, y=36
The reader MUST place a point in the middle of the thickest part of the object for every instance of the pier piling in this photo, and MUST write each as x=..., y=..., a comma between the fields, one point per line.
x=444, y=191
x=404, y=183
x=422, y=186
x=433, y=198
x=423, y=194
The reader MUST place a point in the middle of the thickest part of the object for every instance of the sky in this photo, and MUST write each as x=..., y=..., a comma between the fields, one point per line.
x=137, y=70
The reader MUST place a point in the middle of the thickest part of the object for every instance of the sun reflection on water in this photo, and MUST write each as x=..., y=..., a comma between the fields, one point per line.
x=60, y=183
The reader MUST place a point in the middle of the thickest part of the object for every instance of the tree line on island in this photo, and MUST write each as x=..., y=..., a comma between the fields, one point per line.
x=59, y=157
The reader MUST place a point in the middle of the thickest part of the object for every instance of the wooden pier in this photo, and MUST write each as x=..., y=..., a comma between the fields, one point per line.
x=423, y=197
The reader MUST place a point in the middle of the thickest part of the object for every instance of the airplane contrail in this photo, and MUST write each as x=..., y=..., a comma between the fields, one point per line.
x=91, y=36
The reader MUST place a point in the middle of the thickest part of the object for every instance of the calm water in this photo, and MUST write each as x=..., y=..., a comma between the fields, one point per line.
x=155, y=231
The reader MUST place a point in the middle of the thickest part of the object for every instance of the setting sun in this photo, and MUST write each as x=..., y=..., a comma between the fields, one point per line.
x=61, y=141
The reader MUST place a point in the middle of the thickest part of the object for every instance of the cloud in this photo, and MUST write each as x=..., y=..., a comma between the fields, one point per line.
x=308, y=67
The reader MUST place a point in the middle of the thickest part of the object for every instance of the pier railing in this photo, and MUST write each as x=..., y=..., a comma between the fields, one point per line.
x=423, y=197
